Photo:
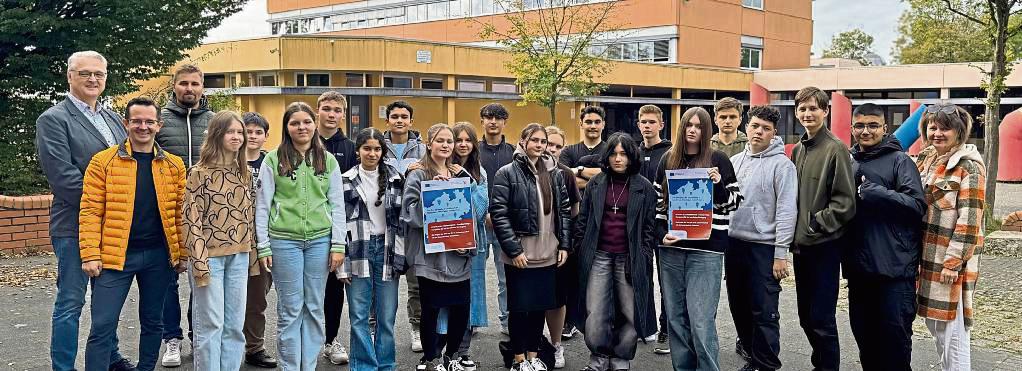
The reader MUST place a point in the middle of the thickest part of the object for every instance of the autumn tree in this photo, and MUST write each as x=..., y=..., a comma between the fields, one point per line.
x=852, y=44
x=550, y=42
x=139, y=38
x=929, y=33
x=999, y=22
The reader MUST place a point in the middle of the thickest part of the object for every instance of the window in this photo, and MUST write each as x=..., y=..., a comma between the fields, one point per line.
x=471, y=85
x=755, y=4
x=752, y=53
x=312, y=79
x=214, y=81
x=431, y=84
x=504, y=87
x=642, y=51
x=397, y=82
x=266, y=79
x=355, y=80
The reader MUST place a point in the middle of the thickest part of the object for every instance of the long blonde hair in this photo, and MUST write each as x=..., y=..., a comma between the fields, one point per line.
x=213, y=152
x=432, y=168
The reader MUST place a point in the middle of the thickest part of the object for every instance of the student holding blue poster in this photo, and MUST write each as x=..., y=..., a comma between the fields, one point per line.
x=444, y=277
x=531, y=216
x=692, y=268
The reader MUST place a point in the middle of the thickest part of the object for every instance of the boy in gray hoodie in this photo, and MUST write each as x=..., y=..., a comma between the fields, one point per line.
x=761, y=230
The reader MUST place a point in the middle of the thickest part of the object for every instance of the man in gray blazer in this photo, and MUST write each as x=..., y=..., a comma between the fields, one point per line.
x=67, y=136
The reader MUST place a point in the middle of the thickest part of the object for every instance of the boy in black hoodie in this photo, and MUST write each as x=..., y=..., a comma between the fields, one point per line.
x=881, y=262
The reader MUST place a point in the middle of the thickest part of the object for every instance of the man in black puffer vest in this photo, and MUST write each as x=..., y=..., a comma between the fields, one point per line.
x=882, y=259
x=185, y=117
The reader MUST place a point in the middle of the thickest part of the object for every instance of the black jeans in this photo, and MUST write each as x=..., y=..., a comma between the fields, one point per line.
x=333, y=305
x=881, y=314
x=526, y=330
x=753, y=296
x=817, y=270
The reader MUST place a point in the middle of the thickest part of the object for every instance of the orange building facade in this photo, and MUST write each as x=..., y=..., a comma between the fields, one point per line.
x=746, y=34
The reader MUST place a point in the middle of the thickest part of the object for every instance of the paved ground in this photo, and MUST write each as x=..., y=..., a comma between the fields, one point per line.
x=26, y=289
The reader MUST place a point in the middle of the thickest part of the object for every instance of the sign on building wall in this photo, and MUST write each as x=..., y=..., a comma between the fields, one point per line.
x=423, y=56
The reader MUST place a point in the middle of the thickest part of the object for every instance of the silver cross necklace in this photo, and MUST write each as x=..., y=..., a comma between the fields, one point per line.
x=619, y=194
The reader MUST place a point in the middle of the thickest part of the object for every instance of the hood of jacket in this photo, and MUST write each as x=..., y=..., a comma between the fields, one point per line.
x=741, y=138
x=887, y=145
x=775, y=148
x=199, y=109
x=965, y=152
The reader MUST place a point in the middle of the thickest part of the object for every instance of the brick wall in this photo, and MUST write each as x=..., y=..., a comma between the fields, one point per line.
x=1012, y=222
x=25, y=223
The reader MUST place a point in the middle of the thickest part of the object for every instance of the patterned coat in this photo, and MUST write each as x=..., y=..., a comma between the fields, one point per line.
x=953, y=233
x=357, y=259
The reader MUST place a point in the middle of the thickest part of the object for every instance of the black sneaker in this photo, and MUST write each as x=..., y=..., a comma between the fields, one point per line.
x=662, y=346
x=569, y=332
x=261, y=359
x=124, y=364
x=740, y=350
x=467, y=363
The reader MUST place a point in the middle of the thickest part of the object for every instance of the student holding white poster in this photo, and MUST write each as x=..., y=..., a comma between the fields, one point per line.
x=444, y=278
x=692, y=267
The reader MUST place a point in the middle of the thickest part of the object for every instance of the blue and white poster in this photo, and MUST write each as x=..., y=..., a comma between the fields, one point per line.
x=690, y=199
x=447, y=217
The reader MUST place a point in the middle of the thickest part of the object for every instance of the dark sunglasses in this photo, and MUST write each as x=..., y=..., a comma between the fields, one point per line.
x=945, y=108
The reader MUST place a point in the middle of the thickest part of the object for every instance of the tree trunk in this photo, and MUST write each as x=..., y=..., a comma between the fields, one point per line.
x=553, y=108
x=992, y=117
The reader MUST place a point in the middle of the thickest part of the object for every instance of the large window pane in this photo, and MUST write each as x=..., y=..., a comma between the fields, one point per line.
x=645, y=49
x=397, y=82
x=628, y=51
x=471, y=85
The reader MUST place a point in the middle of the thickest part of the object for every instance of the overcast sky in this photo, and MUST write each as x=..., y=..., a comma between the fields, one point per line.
x=877, y=17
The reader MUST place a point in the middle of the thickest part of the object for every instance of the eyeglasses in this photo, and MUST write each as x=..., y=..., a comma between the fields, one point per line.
x=89, y=74
x=945, y=108
x=138, y=122
x=871, y=126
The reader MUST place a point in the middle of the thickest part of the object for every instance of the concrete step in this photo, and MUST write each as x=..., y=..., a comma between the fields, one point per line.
x=1004, y=243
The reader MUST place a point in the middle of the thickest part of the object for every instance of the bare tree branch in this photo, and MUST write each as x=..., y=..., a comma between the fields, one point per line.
x=963, y=14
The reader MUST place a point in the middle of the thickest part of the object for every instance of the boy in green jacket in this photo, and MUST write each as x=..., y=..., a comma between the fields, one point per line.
x=826, y=203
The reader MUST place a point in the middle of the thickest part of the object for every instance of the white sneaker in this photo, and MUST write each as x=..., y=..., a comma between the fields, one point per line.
x=522, y=366
x=336, y=353
x=650, y=339
x=538, y=365
x=172, y=357
x=416, y=341
x=559, y=356
x=453, y=364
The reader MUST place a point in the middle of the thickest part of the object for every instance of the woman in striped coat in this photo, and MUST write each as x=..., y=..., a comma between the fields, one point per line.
x=953, y=177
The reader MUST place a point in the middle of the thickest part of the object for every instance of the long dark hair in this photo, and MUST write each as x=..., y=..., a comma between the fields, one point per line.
x=546, y=184
x=470, y=162
x=677, y=158
x=384, y=173
x=289, y=157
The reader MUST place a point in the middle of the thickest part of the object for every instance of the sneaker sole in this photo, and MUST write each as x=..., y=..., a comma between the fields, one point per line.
x=171, y=364
x=661, y=352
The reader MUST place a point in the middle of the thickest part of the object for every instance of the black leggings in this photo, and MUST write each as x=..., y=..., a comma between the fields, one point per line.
x=457, y=322
x=333, y=305
x=526, y=330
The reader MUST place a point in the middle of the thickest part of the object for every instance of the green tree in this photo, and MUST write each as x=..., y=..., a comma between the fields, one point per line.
x=551, y=47
x=929, y=33
x=1000, y=23
x=139, y=38
x=852, y=44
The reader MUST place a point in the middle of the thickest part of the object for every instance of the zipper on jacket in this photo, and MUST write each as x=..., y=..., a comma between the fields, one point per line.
x=188, y=127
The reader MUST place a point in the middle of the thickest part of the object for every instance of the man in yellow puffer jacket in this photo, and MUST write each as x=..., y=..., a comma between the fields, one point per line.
x=131, y=230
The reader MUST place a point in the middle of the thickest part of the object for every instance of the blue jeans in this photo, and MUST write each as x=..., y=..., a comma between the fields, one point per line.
x=691, y=292
x=610, y=331
x=501, y=282
x=172, y=312
x=219, y=342
x=299, y=272
x=151, y=269
x=367, y=294
x=72, y=284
